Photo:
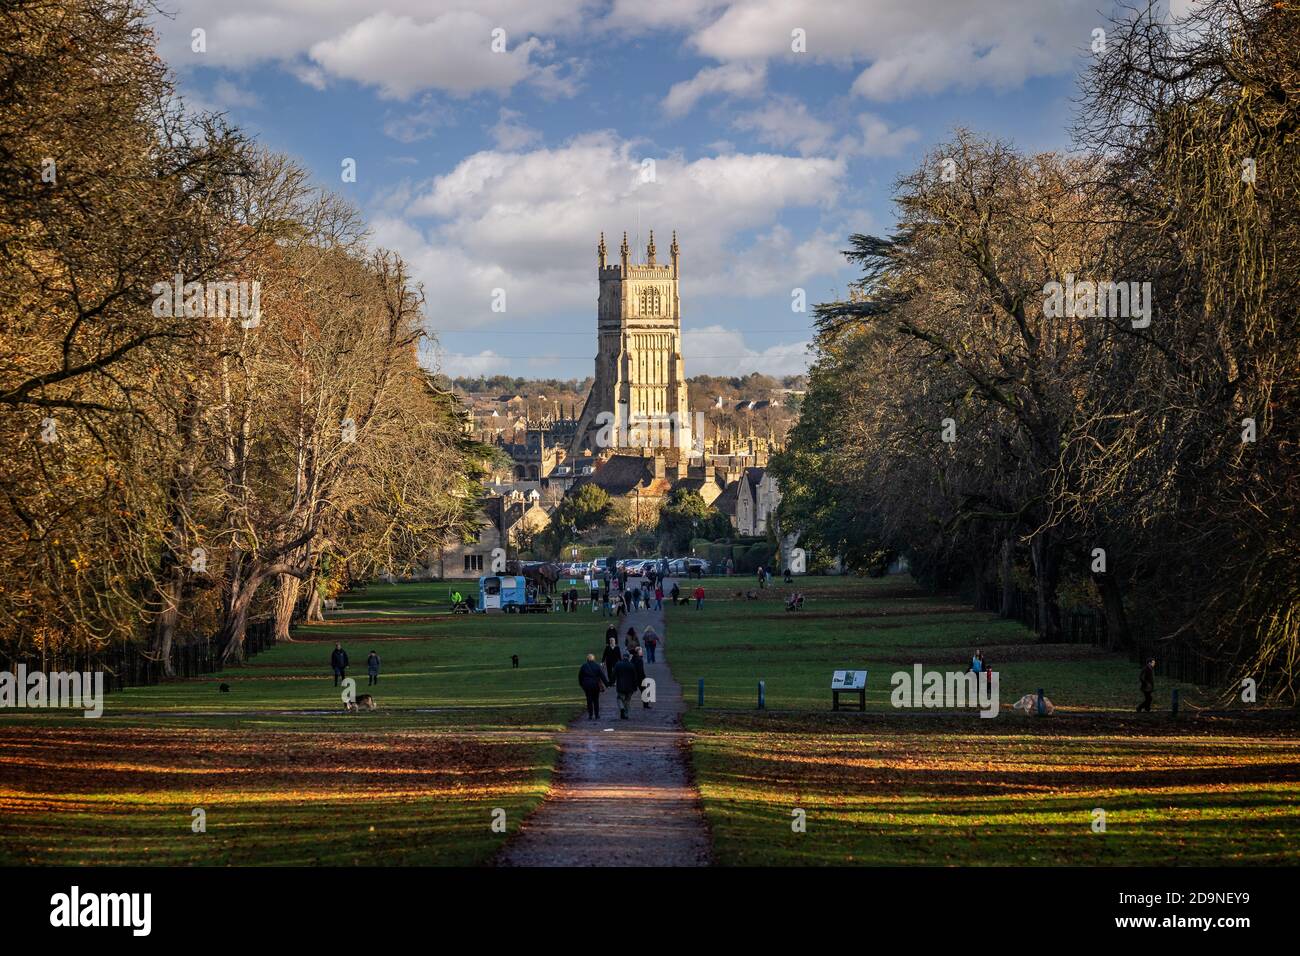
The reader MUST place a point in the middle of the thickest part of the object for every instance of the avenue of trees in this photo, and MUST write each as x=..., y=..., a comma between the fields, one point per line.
x=173, y=464
x=956, y=415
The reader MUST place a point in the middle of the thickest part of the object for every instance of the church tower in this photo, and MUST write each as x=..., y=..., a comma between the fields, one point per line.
x=639, y=372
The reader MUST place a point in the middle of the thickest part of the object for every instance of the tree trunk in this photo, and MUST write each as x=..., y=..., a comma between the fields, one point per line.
x=179, y=494
x=231, y=636
x=1005, y=579
x=314, y=613
x=285, y=602
x=1112, y=602
x=165, y=629
x=236, y=600
x=1046, y=576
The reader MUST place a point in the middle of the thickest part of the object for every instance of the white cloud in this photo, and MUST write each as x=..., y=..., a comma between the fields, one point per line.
x=528, y=222
x=227, y=95
x=785, y=121
x=922, y=46
x=733, y=79
x=879, y=138
x=455, y=364
x=509, y=134
x=401, y=55
x=715, y=350
x=421, y=123
x=398, y=46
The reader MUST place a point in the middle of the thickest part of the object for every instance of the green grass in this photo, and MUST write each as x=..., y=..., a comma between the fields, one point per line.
x=883, y=625
x=286, y=777
x=283, y=773
x=898, y=787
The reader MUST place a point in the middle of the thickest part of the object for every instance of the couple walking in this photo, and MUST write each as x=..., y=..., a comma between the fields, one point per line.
x=624, y=670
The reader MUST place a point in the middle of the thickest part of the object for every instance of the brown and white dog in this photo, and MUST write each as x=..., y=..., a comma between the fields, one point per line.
x=364, y=702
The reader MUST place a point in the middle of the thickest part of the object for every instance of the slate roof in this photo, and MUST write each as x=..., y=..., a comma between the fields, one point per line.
x=726, y=502
x=620, y=475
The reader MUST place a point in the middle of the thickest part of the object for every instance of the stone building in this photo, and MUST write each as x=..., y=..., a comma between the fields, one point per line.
x=502, y=520
x=755, y=495
x=639, y=371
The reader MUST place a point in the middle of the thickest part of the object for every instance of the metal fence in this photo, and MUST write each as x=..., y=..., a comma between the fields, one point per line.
x=127, y=665
x=1174, y=659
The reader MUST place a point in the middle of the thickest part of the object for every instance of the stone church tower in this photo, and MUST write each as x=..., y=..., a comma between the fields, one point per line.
x=639, y=372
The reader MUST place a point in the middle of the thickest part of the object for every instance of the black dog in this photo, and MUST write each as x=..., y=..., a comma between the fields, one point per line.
x=514, y=660
x=225, y=688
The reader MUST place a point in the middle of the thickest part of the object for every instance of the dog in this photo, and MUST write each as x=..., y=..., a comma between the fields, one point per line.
x=1029, y=705
x=364, y=702
x=225, y=688
x=514, y=661
x=751, y=595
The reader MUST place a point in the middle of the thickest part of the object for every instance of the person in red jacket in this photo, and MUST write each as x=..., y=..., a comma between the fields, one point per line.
x=699, y=597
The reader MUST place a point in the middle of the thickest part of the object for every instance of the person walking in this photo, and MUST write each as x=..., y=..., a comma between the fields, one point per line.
x=699, y=597
x=604, y=599
x=339, y=662
x=631, y=641
x=1147, y=684
x=659, y=596
x=611, y=656
x=593, y=683
x=977, y=664
x=676, y=593
x=625, y=684
x=651, y=642
x=638, y=660
x=372, y=668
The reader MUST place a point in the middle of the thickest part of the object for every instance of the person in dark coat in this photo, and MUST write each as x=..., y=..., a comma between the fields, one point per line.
x=625, y=684
x=612, y=656
x=611, y=634
x=339, y=662
x=638, y=661
x=592, y=681
x=372, y=668
x=631, y=641
x=1147, y=684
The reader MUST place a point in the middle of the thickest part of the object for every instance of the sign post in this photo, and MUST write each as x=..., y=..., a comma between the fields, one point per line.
x=849, y=682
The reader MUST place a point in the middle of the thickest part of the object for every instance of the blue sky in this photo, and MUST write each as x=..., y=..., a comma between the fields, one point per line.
x=497, y=169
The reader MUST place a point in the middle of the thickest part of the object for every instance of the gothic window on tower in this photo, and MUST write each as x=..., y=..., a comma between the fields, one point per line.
x=651, y=304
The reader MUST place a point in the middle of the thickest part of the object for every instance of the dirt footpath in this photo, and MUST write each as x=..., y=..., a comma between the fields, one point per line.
x=622, y=794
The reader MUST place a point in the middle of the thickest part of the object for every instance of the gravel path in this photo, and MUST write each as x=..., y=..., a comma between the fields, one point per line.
x=622, y=794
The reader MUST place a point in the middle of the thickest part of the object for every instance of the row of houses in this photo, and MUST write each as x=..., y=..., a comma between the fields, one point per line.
x=747, y=496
